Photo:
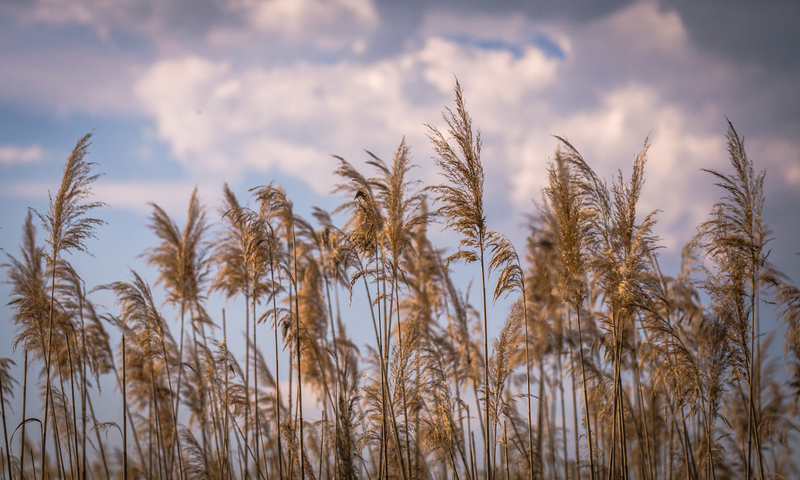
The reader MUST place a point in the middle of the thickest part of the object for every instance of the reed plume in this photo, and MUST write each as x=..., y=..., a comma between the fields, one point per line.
x=68, y=228
x=461, y=205
x=734, y=238
x=788, y=297
x=152, y=353
x=512, y=277
x=572, y=234
x=183, y=263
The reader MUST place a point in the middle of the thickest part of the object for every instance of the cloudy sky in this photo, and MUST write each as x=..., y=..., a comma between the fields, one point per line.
x=184, y=93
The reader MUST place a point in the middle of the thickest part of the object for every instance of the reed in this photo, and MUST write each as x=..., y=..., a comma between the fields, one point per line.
x=676, y=378
x=461, y=203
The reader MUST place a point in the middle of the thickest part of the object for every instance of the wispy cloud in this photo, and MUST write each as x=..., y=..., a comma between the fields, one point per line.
x=11, y=155
x=127, y=195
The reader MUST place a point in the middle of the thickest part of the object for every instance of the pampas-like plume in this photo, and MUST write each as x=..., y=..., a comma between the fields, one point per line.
x=274, y=203
x=6, y=388
x=68, y=228
x=232, y=276
x=199, y=464
x=378, y=228
x=788, y=297
x=621, y=249
x=402, y=213
x=30, y=303
x=66, y=221
x=29, y=297
x=150, y=339
x=572, y=233
x=734, y=238
x=182, y=257
x=183, y=263
x=461, y=205
x=500, y=366
x=441, y=431
x=505, y=258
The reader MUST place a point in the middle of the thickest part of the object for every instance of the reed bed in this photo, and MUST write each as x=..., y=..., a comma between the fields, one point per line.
x=664, y=377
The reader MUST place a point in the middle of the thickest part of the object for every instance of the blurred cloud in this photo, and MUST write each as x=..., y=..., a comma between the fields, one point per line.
x=322, y=22
x=224, y=120
x=235, y=87
x=299, y=18
x=135, y=196
x=10, y=155
x=524, y=81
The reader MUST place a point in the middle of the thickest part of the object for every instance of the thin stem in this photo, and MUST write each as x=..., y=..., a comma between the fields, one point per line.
x=124, y=409
x=587, y=415
x=487, y=440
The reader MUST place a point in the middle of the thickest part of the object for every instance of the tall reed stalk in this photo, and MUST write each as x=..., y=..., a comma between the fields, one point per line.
x=183, y=263
x=68, y=228
x=734, y=237
x=572, y=217
x=462, y=207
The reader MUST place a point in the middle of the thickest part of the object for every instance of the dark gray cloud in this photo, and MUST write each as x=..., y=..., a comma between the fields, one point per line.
x=149, y=17
x=757, y=33
x=579, y=10
x=763, y=33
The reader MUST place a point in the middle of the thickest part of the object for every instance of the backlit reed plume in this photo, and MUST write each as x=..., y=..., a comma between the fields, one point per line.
x=150, y=356
x=572, y=233
x=734, y=238
x=401, y=211
x=6, y=393
x=233, y=275
x=512, y=277
x=182, y=259
x=68, y=228
x=366, y=233
x=30, y=302
x=274, y=204
x=788, y=297
x=461, y=205
x=677, y=381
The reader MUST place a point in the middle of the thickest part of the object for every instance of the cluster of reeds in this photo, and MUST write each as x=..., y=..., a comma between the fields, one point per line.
x=665, y=377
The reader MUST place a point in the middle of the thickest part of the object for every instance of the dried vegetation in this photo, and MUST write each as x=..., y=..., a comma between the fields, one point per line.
x=659, y=383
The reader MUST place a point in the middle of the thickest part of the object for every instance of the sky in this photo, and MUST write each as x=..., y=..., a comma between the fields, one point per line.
x=185, y=93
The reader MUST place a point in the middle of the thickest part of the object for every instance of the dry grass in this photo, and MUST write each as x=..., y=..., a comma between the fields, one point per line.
x=675, y=378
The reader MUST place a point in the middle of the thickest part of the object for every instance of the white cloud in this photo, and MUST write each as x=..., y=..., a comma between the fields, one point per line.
x=621, y=77
x=225, y=121
x=10, y=155
x=173, y=197
x=228, y=119
x=646, y=29
x=133, y=195
x=296, y=18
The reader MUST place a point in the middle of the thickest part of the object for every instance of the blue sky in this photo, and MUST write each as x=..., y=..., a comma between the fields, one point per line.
x=184, y=93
